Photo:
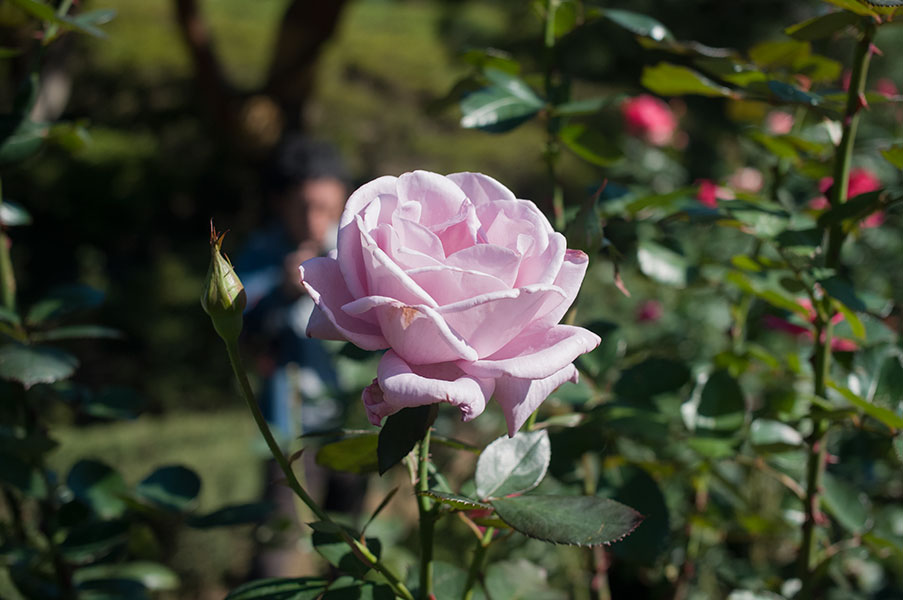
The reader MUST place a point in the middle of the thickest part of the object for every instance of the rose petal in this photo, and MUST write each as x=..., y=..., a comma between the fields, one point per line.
x=401, y=385
x=439, y=197
x=536, y=354
x=520, y=397
x=569, y=279
x=490, y=321
x=417, y=333
x=323, y=280
x=544, y=267
x=410, y=245
x=490, y=259
x=449, y=284
x=384, y=277
x=459, y=232
x=349, y=238
x=481, y=188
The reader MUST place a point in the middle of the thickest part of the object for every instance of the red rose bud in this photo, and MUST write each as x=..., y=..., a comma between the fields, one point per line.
x=224, y=296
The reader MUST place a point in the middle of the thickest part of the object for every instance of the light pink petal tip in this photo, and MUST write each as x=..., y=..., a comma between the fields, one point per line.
x=399, y=385
x=520, y=397
x=323, y=280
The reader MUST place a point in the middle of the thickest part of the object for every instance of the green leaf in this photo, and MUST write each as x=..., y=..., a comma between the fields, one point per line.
x=354, y=454
x=347, y=588
x=519, y=579
x=112, y=589
x=793, y=94
x=804, y=242
x=652, y=377
x=573, y=520
x=847, y=503
x=449, y=582
x=662, y=264
x=279, y=588
x=13, y=440
x=639, y=490
x=77, y=332
x=98, y=486
x=776, y=54
x=840, y=289
x=590, y=145
x=894, y=155
x=401, y=432
x=880, y=413
x=767, y=435
x=23, y=476
x=854, y=6
x=669, y=79
x=502, y=106
x=513, y=465
x=820, y=27
x=576, y=108
x=898, y=447
x=174, y=488
x=638, y=24
x=64, y=300
x=456, y=501
x=151, y=575
x=113, y=403
x=9, y=316
x=20, y=139
x=854, y=209
x=13, y=215
x=237, y=514
x=90, y=540
x=330, y=546
x=720, y=407
x=31, y=365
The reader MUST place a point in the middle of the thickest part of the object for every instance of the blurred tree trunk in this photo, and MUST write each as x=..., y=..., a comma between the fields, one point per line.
x=254, y=120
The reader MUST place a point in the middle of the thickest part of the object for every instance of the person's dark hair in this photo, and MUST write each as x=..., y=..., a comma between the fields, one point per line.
x=299, y=158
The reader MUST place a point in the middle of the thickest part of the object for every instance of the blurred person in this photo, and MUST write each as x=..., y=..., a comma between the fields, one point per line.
x=306, y=184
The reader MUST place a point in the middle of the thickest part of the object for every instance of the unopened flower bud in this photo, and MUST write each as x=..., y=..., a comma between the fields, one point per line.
x=224, y=296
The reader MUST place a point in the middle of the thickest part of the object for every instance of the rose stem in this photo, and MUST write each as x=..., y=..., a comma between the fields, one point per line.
x=823, y=327
x=427, y=518
x=7, y=278
x=360, y=550
x=476, y=565
x=553, y=123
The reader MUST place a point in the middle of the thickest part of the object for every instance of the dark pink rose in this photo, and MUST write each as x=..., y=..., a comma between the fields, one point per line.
x=778, y=324
x=861, y=181
x=649, y=311
x=650, y=119
x=886, y=87
x=709, y=193
x=463, y=283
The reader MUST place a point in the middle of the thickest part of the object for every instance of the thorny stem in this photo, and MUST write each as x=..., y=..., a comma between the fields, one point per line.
x=815, y=465
x=476, y=565
x=427, y=518
x=553, y=123
x=360, y=549
x=7, y=277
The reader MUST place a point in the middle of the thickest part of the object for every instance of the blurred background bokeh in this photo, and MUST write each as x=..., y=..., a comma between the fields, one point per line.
x=184, y=99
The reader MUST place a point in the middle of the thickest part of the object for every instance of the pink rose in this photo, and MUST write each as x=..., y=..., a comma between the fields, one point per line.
x=710, y=192
x=649, y=118
x=861, y=181
x=779, y=122
x=463, y=283
x=838, y=344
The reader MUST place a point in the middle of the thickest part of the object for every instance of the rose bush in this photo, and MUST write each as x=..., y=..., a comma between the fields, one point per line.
x=464, y=284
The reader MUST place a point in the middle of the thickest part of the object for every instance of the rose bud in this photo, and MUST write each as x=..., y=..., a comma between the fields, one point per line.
x=224, y=296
